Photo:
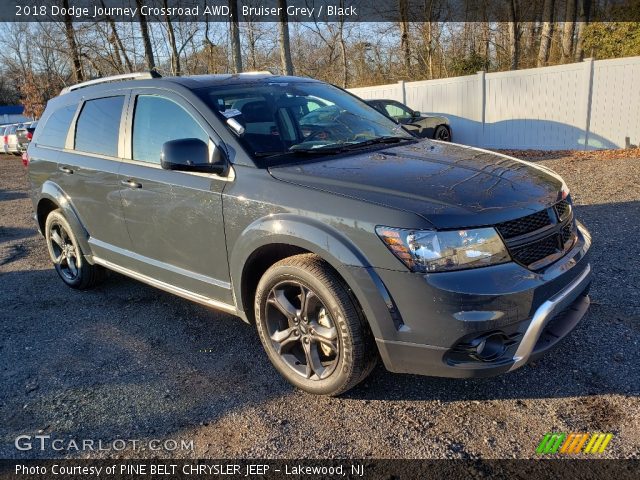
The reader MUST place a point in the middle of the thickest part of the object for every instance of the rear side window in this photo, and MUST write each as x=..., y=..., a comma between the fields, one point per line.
x=158, y=120
x=55, y=130
x=98, y=126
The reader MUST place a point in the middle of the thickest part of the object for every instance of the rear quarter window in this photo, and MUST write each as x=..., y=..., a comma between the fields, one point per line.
x=54, y=133
x=98, y=126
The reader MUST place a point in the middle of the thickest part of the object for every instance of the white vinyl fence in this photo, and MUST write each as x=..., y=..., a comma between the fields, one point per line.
x=588, y=105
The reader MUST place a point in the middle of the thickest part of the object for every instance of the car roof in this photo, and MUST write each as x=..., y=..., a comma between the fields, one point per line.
x=201, y=81
x=192, y=82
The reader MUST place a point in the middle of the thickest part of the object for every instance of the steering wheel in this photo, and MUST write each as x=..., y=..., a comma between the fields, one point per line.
x=321, y=134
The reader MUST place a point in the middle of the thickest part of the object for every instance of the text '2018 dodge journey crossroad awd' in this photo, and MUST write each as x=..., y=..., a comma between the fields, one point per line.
x=298, y=207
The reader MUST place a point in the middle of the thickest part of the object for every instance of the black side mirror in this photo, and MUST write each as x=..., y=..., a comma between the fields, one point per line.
x=192, y=155
x=416, y=114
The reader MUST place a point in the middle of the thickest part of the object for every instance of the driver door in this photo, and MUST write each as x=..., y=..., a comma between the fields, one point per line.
x=174, y=218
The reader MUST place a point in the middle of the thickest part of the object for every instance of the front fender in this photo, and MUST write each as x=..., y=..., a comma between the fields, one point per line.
x=51, y=191
x=331, y=246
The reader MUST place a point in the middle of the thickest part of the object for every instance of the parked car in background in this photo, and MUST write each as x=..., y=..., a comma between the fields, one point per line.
x=25, y=134
x=3, y=140
x=423, y=126
x=12, y=139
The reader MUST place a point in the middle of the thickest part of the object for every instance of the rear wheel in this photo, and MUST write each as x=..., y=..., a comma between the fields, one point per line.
x=311, y=328
x=442, y=133
x=67, y=256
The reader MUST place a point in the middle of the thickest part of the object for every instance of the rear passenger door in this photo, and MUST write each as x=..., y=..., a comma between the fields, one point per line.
x=87, y=171
x=174, y=219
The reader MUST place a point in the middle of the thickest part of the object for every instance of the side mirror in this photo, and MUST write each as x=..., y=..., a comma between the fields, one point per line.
x=416, y=114
x=192, y=155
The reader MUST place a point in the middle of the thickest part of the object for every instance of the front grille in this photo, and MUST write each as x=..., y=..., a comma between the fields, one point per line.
x=562, y=208
x=528, y=224
x=567, y=233
x=540, y=239
x=536, y=251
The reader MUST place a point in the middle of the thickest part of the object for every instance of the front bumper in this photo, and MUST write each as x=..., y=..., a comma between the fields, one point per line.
x=444, y=317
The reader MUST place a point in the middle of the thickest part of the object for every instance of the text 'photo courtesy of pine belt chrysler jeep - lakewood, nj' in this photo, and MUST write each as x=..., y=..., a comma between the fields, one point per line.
x=308, y=213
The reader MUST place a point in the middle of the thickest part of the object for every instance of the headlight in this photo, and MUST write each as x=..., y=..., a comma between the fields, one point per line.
x=430, y=251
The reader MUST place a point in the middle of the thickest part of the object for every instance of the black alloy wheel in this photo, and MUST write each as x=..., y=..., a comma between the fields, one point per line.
x=67, y=255
x=311, y=326
x=442, y=134
x=301, y=330
x=64, y=253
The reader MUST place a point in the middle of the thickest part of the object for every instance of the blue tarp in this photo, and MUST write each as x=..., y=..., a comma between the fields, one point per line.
x=11, y=110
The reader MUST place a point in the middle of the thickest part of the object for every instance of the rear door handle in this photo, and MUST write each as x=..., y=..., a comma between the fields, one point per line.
x=131, y=183
x=65, y=169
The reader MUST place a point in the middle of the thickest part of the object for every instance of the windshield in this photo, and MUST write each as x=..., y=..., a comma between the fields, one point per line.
x=287, y=117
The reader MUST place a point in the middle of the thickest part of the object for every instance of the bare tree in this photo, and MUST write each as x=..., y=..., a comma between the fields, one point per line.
x=546, y=34
x=405, y=45
x=285, y=46
x=343, y=49
x=584, y=7
x=429, y=28
x=236, y=53
x=567, y=34
x=514, y=34
x=117, y=41
x=175, y=57
x=71, y=42
x=146, y=39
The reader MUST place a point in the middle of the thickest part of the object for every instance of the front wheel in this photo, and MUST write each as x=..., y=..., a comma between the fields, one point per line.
x=67, y=256
x=311, y=328
x=442, y=133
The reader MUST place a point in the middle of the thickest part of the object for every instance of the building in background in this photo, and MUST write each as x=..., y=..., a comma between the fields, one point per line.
x=12, y=114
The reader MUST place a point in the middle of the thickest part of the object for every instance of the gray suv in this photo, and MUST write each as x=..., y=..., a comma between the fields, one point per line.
x=297, y=207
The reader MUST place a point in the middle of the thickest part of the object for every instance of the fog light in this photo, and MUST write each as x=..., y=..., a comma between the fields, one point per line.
x=489, y=347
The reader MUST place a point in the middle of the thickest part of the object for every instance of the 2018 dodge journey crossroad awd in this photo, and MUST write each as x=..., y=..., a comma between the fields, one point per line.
x=301, y=209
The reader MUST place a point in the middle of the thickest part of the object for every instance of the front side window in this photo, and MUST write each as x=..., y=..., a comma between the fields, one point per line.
x=55, y=130
x=158, y=120
x=98, y=126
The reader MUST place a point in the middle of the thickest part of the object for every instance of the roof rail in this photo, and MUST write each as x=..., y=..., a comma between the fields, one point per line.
x=114, y=78
x=257, y=72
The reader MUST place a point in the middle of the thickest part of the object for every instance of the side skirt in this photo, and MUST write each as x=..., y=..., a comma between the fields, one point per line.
x=195, y=297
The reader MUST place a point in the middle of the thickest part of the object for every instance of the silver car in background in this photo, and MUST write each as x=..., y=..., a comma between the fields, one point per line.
x=11, y=144
x=3, y=139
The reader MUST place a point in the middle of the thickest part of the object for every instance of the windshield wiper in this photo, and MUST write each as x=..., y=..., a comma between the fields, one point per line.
x=325, y=150
x=376, y=141
x=335, y=148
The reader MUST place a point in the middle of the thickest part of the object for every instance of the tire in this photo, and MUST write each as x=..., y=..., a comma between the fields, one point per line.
x=442, y=133
x=67, y=256
x=323, y=346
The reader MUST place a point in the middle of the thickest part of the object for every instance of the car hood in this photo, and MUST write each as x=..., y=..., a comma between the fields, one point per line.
x=450, y=185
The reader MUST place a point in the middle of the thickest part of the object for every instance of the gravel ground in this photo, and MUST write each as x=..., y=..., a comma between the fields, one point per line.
x=126, y=361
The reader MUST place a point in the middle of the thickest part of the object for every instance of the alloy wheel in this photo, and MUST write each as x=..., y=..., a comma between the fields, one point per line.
x=63, y=251
x=443, y=134
x=301, y=330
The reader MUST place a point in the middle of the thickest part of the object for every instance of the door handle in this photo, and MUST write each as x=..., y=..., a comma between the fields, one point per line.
x=131, y=183
x=65, y=169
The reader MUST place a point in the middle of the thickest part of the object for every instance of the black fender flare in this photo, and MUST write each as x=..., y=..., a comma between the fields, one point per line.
x=326, y=242
x=51, y=191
